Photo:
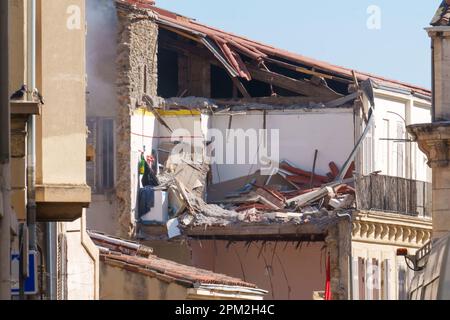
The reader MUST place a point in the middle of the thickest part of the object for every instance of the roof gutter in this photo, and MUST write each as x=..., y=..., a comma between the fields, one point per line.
x=209, y=291
x=408, y=92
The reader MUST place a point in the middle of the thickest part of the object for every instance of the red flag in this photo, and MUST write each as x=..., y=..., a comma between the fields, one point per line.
x=328, y=281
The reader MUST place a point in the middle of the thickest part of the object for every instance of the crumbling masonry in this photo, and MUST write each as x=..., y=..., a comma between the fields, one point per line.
x=136, y=75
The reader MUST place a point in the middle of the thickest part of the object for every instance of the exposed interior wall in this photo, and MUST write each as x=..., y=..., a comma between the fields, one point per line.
x=301, y=133
x=149, y=135
x=117, y=283
x=284, y=270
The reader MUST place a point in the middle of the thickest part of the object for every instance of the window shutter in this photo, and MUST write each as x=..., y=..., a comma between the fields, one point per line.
x=385, y=274
x=375, y=279
x=355, y=278
x=362, y=278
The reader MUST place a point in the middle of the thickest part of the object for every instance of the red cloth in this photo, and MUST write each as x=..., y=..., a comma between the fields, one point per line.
x=328, y=281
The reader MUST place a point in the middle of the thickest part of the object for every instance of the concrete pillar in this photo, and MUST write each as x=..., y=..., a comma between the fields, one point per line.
x=5, y=215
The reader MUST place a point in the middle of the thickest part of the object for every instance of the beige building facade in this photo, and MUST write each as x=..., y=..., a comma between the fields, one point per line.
x=49, y=193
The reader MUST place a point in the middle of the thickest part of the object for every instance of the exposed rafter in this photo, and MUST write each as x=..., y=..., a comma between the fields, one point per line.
x=302, y=87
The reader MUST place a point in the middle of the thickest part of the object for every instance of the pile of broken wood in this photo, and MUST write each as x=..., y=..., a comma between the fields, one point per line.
x=303, y=198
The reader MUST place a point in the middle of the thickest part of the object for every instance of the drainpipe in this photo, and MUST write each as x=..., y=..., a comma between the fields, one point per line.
x=5, y=233
x=51, y=260
x=31, y=127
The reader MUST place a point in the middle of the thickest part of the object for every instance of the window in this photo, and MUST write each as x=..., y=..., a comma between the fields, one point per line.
x=368, y=153
x=385, y=147
x=375, y=276
x=100, y=171
x=355, y=280
x=400, y=149
x=402, y=283
x=385, y=279
x=362, y=278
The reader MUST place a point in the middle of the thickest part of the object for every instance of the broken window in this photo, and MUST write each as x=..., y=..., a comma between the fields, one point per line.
x=100, y=171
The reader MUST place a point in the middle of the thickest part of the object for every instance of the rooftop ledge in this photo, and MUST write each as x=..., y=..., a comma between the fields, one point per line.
x=25, y=108
x=61, y=202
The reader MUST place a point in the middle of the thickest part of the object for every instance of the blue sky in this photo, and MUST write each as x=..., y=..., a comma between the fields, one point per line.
x=330, y=30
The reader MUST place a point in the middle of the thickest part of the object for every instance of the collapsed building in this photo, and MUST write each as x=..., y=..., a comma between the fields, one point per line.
x=330, y=196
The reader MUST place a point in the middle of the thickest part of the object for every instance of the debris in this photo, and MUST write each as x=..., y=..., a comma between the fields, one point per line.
x=270, y=199
x=307, y=198
x=172, y=228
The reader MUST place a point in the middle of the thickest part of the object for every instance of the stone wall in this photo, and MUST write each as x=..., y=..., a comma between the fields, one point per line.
x=137, y=74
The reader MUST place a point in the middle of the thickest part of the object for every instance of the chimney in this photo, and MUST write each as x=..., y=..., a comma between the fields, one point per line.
x=434, y=138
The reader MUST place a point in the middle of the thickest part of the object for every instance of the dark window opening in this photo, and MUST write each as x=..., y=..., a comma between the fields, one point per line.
x=257, y=89
x=221, y=83
x=167, y=73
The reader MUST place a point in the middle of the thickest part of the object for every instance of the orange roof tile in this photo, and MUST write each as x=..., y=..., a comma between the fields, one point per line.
x=262, y=49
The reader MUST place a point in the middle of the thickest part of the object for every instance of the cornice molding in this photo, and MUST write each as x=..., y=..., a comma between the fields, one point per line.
x=391, y=232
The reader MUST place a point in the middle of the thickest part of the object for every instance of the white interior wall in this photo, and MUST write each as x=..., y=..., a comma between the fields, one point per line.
x=301, y=132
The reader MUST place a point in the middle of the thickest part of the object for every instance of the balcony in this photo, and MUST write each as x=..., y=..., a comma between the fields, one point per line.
x=394, y=195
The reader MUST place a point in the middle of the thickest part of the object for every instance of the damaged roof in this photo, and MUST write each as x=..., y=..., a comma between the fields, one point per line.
x=134, y=257
x=229, y=47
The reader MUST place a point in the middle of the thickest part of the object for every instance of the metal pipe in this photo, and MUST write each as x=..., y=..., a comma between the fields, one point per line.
x=51, y=260
x=5, y=220
x=31, y=127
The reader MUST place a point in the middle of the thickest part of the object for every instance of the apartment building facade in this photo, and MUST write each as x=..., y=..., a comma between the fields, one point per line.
x=166, y=56
x=48, y=191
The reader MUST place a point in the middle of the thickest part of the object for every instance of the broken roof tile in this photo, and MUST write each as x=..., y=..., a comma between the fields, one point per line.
x=262, y=50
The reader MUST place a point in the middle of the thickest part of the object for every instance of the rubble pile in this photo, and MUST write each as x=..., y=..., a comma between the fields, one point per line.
x=292, y=195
